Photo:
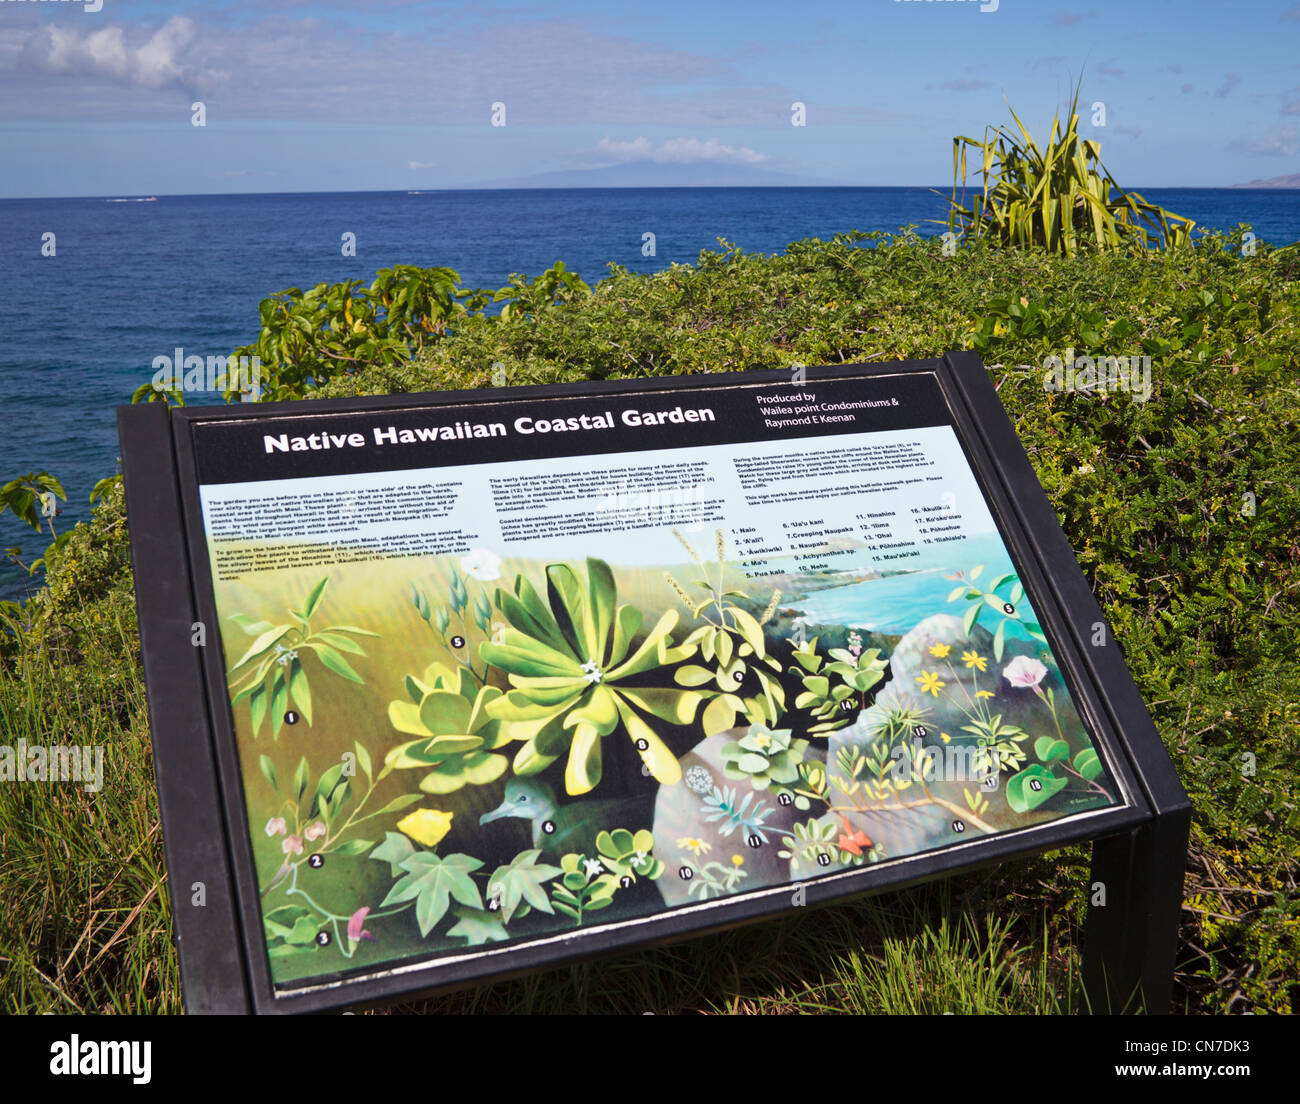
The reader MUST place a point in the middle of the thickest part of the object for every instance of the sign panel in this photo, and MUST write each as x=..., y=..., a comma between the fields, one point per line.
x=501, y=679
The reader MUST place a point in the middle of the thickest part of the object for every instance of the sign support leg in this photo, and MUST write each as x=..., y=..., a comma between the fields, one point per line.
x=1130, y=941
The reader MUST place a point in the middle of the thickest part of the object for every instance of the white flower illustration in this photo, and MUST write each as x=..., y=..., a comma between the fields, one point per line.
x=482, y=565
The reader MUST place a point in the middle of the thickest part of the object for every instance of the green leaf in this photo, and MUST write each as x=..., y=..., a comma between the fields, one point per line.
x=279, y=695
x=522, y=881
x=262, y=643
x=257, y=708
x=432, y=883
x=338, y=640
x=1088, y=764
x=313, y=599
x=477, y=926
x=300, y=779
x=395, y=850
x=251, y=627
x=972, y=615
x=354, y=847
x=335, y=662
x=1049, y=749
x=303, y=932
x=268, y=771
x=299, y=691
x=363, y=758
x=1023, y=797
x=402, y=801
x=329, y=781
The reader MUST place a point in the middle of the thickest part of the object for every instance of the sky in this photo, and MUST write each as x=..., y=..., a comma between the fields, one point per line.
x=342, y=95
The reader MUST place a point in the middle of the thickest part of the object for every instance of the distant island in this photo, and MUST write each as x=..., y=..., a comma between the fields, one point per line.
x=1290, y=181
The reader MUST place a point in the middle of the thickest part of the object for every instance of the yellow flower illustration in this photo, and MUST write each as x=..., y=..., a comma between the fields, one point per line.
x=974, y=659
x=945, y=737
x=696, y=847
x=940, y=651
x=737, y=860
x=984, y=693
x=426, y=826
x=930, y=683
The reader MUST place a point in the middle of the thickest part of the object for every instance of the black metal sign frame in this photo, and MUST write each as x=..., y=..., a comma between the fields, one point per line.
x=1139, y=844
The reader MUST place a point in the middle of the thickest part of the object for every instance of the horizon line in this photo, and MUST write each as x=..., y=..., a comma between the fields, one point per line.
x=142, y=197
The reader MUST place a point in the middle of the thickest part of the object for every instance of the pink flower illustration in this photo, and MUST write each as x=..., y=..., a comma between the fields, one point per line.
x=292, y=845
x=276, y=826
x=1024, y=673
x=356, y=925
x=314, y=830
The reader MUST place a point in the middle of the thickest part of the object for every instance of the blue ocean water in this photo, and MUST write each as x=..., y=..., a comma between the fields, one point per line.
x=896, y=603
x=131, y=281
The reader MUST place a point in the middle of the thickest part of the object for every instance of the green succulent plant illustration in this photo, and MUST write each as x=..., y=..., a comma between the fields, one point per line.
x=457, y=740
x=764, y=756
x=741, y=677
x=627, y=854
x=832, y=689
x=569, y=660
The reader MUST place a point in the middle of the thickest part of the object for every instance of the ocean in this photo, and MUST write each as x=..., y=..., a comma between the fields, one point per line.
x=133, y=280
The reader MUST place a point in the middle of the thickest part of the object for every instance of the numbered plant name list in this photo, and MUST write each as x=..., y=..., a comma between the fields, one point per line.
x=813, y=479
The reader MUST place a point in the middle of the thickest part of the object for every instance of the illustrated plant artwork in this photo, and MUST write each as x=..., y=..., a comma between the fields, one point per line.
x=628, y=855
x=764, y=756
x=831, y=690
x=1039, y=782
x=991, y=599
x=718, y=878
x=272, y=670
x=456, y=741
x=585, y=887
x=309, y=829
x=483, y=818
x=569, y=661
x=484, y=566
x=742, y=678
x=729, y=813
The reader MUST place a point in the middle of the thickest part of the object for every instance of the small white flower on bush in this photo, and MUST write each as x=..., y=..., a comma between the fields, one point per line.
x=1024, y=672
x=482, y=565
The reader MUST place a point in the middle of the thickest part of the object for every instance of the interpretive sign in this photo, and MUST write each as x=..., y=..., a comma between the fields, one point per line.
x=445, y=687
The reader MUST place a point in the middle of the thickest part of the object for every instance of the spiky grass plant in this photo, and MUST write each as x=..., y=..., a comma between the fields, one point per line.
x=1059, y=197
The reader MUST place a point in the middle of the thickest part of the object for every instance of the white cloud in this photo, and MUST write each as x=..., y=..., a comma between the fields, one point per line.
x=680, y=151
x=1279, y=142
x=154, y=63
x=414, y=165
